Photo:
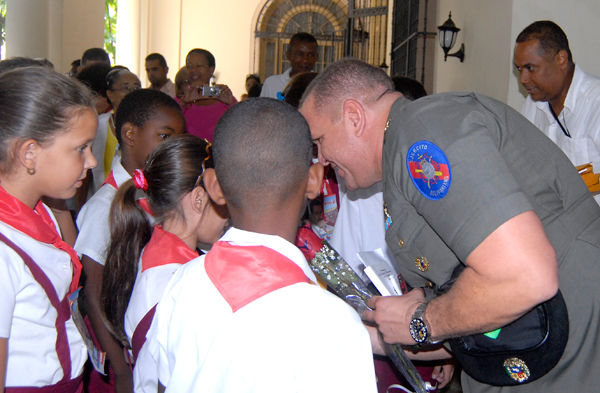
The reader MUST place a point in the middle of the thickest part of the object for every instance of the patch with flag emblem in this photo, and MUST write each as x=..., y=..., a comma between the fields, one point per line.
x=429, y=170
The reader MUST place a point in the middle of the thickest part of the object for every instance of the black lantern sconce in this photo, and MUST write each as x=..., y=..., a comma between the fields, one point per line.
x=448, y=33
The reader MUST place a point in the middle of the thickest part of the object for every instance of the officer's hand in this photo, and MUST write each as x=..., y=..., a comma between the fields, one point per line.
x=392, y=315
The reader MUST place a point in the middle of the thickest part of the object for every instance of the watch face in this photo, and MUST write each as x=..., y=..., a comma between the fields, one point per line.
x=418, y=330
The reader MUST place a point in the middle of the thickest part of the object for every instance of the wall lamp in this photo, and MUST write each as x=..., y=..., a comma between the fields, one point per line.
x=448, y=33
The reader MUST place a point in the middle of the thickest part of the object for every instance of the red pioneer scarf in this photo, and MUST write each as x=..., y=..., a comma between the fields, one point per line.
x=165, y=248
x=38, y=225
x=243, y=274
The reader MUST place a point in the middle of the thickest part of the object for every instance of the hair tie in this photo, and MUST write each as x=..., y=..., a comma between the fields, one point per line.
x=139, y=180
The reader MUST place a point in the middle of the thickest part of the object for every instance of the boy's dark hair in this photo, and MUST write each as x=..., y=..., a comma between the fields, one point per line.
x=157, y=56
x=95, y=54
x=255, y=91
x=296, y=87
x=94, y=77
x=551, y=37
x=262, y=151
x=410, y=88
x=207, y=55
x=139, y=106
x=302, y=37
x=37, y=103
x=172, y=170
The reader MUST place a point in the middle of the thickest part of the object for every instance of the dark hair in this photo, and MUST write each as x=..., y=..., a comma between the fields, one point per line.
x=255, y=91
x=139, y=106
x=296, y=87
x=410, y=88
x=551, y=37
x=18, y=62
x=36, y=103
x=95, y=54
x=207, y=55
x=262, y=151
x=172, y=170
x=301, y=38
x=113, y=76
x=75, y=64
x=94, y=77
x=157, y=56
x=346, y=78
x=253, y=76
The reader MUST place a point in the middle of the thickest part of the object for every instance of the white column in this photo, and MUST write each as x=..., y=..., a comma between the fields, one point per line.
x=128, y=34
x=59, y=30
x=27, y=28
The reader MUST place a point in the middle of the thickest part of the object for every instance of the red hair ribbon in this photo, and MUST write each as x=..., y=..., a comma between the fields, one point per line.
x=139, y=180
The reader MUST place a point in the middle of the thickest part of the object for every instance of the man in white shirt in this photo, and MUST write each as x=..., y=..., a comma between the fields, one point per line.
x=157, y=70
x=563, y=101
x=302, y=55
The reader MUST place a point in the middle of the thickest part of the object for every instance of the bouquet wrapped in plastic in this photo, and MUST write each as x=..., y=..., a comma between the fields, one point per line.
x=331, y=267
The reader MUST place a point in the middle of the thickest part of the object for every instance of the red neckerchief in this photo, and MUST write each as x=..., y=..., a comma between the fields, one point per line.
x=110, y=180
x=38, y=225
x=165, y=248
x=243, y=274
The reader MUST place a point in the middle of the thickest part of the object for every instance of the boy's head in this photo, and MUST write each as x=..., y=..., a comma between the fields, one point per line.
x=262, y=153
x=144, y=119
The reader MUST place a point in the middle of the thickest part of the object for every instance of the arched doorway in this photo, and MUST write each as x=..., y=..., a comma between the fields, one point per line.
x=280, y=19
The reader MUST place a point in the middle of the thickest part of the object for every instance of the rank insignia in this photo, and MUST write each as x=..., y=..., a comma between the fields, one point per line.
x=422, y=264
x=517, y=369
x=429, y=170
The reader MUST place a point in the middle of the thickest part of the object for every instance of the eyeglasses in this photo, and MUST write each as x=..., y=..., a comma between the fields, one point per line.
x=208, y=145
x=128, y=88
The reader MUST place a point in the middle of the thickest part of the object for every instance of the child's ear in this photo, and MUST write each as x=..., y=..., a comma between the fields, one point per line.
x=315, y=180
x=28, y=153
x=128, y=134
x=211, y=183
x=199, y=198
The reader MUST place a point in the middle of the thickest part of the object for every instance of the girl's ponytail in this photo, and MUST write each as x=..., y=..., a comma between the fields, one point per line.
x=130, y=226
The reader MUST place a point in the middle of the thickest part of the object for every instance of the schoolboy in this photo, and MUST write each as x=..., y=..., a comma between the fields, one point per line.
x=248, y=317
x=145, y=118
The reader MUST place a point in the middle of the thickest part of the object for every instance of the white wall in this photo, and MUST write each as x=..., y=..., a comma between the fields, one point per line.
x=485, y=31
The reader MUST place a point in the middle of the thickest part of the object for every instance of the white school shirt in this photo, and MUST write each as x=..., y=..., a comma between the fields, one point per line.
x=27, y=318
x=92, y=221
x=299, y=338
x=151, y=282
x=275, y=84
x=360, y=225
x=581, y=114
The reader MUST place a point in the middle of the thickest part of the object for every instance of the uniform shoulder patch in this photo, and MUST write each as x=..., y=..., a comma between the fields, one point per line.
x=429, y=170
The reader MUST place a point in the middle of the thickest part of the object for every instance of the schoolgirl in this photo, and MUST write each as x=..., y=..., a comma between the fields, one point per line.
x=185, y=216
x=145, y=119
x=47, y=126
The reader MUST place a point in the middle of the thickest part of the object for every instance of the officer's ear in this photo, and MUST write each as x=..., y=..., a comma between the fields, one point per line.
x=354, y=116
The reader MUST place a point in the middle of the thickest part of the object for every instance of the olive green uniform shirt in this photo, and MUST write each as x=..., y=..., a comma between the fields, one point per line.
x=500, y=166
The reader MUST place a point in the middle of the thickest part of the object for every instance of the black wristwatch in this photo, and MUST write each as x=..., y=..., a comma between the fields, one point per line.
x=418, y=327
